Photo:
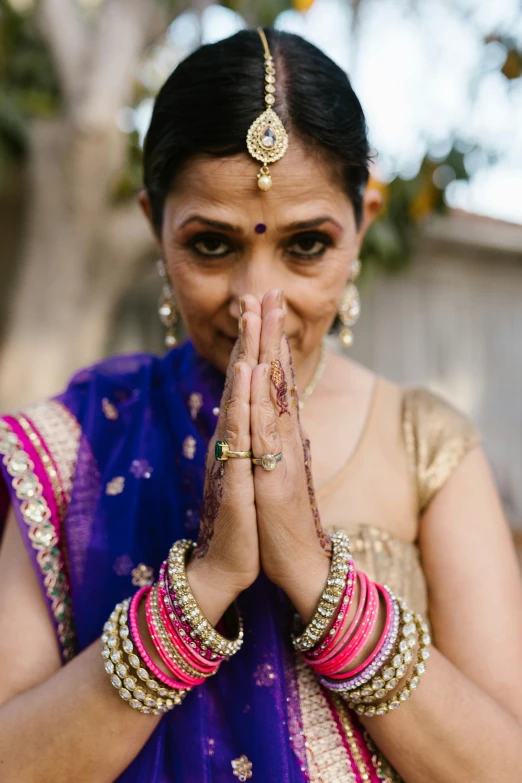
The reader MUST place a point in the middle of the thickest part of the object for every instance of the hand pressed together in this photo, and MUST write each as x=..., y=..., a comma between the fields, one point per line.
x=253, y=518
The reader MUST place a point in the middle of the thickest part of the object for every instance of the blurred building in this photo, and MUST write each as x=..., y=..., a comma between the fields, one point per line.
x=453, y=322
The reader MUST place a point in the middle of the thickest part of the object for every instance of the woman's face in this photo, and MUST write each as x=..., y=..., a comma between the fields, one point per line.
x=214, y=254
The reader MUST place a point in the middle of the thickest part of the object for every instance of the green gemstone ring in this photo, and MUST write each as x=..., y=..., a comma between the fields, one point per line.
x=222, y=452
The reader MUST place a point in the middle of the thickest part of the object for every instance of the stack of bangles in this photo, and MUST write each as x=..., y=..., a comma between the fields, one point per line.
x=400, y=654
x=189, y=646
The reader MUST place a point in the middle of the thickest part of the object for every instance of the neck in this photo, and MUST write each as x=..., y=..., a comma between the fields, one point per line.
x=305, y=368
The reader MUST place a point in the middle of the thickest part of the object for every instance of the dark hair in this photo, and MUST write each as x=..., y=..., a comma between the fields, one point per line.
x=210, y=100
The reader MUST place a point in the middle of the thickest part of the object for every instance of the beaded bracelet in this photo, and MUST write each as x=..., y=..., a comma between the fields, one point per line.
x=410, y=685
x=388, y=678
x=331, y=596
x=159, y=620
x=128, y=687
x=353, y=647
x=198, y=655
x=203, y=633
x=379, y=661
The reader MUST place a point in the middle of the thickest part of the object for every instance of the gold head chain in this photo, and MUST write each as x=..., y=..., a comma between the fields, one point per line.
x=267, y=139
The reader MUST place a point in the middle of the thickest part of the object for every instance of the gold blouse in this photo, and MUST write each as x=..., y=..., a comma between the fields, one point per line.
x=433, y=438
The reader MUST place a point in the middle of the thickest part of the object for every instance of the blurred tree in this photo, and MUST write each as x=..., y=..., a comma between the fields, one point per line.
x=67, y=80
x=77, y=245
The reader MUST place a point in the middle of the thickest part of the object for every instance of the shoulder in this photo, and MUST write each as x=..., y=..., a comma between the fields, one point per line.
x=437, y=437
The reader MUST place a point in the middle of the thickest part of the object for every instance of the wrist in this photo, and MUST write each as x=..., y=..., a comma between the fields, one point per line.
x=305, y=583
x=213, y=590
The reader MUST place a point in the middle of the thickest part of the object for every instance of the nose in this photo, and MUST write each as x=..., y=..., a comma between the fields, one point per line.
x=255, y=276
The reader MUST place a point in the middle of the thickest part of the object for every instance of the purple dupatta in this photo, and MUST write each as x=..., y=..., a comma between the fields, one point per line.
x=144, y=426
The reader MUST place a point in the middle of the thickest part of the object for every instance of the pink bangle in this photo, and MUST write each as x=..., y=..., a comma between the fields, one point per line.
x=345, y=637
x=178, y=631
x=183, y=650
x=384, y=635
x=360, y=637
x=136, y=638
x=336, y=665
x=183, y=676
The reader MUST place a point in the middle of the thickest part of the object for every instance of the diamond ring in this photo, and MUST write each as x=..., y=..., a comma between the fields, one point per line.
x=268, y=461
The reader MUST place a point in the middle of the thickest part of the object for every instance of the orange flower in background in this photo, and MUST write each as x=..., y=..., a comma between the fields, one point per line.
x=302, y=5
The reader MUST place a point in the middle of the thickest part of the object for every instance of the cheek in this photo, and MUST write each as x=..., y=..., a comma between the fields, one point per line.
x=316, y=298
x=198, y=295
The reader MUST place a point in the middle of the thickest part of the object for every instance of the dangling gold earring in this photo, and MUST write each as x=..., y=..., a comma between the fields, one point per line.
x=350, y=306
x=167, y=310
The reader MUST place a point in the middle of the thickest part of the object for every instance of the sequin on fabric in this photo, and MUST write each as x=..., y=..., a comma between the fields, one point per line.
x=328, y=759
x=142, y=575
x=115, y=486
x=109, y=409
x=189, y=447
x=141, y=469
x=242, y=768
x=195, y=402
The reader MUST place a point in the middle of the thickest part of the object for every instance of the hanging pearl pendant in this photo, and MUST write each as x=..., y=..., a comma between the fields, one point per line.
x=346, y=337
x=264, y=180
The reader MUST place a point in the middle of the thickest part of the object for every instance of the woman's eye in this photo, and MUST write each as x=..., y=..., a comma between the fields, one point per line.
x=213, y=245
x=309, y=245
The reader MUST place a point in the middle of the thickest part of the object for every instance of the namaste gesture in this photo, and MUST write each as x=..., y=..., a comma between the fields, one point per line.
x=260, y=515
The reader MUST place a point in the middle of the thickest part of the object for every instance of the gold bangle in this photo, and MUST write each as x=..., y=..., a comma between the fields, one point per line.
x=411, y=684
x=201, y=628
x=160, y=699
x=391, y=672
x=160, y=631
x=340, y=569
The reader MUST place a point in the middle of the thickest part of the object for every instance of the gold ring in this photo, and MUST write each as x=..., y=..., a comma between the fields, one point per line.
x=222, y=452
x=268, y=461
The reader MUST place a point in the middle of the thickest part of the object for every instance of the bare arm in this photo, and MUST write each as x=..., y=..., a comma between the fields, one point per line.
x=465, y=721
x=56, y=723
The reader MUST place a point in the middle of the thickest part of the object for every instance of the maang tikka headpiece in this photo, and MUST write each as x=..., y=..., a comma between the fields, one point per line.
x=267, y=140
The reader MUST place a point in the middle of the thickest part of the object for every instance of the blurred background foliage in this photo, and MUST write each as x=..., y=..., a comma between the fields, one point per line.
x=29, y=88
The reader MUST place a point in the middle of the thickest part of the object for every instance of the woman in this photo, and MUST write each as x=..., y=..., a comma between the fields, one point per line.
x=100, y=482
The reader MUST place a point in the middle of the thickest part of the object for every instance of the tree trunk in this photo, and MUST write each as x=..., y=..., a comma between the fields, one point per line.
x=70, y=281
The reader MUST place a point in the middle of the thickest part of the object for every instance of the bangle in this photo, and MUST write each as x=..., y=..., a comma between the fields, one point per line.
x=334, y=667
x=410, y=685
x=332, y=593
x=186, y=607
x=198, y=655
x=174, y=648
x=384, y=635
x=159, y=700
x=390, y=675
x=335, y=638
x=135, y=633
x=171, y=658
x=379, y=661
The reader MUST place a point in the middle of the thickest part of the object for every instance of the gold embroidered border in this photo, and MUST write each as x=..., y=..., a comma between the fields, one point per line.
x=328, y=759
x=351, y=738
x=61, y=433
x=42, y=534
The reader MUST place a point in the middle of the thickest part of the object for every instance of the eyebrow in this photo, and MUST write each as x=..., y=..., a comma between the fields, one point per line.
x=298, y=225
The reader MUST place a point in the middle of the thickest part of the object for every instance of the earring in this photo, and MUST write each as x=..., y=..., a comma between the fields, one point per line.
x=167, y=310
x=350, y=306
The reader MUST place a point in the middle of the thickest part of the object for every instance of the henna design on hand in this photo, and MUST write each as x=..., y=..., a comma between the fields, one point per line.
x=211, y=505
x=324, y=539
x=277, y=376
